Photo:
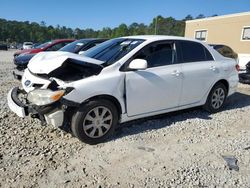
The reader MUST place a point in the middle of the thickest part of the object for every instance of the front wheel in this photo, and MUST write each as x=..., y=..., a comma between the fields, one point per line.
x=216, y=98
x=95, y=121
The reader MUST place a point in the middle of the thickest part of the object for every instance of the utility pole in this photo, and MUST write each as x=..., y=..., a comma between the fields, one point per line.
x=156, y=25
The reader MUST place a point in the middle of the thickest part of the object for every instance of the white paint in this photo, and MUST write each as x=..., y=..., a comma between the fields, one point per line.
x=13, y=106
x=45, y=62
x=148, y=92
x=138, y=64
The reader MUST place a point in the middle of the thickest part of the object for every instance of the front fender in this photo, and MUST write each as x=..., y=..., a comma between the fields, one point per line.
x=112, y=85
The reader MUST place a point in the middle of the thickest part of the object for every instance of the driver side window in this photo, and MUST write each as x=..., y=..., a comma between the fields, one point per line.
x=158, y=54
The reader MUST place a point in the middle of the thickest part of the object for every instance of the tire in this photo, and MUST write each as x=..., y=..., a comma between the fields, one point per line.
x=91, y=128
x=216, y=98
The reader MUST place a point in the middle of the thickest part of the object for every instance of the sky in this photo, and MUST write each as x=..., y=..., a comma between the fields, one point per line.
x=97, y=14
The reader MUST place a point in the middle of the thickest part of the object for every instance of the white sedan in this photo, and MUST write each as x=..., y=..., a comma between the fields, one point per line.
x=121, y=80
x=27, y=45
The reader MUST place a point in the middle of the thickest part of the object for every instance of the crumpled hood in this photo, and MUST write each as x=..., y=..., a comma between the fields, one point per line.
x=45, y=62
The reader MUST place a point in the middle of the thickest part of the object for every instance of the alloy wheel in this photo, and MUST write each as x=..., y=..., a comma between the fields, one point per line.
x=218, y=98
x=97, y=122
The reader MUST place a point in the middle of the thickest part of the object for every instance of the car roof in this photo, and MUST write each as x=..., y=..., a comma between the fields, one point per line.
x=62, y=40
x=160, y=37
x=91, y=39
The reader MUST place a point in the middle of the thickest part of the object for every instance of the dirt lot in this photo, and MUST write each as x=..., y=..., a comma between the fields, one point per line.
x=181, y=149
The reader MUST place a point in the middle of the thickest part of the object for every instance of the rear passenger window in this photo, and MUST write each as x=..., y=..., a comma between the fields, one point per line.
x=209, y=57
x=193, y=52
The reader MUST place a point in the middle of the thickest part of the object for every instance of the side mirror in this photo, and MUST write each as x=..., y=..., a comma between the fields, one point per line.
x=81, y=52
x=138, y=64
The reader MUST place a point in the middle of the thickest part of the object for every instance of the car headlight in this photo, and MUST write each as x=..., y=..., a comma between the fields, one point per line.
x=42, y=97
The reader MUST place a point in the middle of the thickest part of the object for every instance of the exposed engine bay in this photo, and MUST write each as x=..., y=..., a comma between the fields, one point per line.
x=72, y=70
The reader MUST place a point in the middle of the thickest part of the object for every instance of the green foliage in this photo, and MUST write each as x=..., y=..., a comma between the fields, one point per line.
x=15, y=31
x=200, y=16
x=188, y=17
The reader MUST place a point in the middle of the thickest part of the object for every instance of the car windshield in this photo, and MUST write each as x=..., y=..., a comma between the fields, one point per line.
x=113, y=50
x=44, y=44
x=73, y=46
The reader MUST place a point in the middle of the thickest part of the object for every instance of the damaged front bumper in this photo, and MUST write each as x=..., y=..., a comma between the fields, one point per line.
x=49, y=114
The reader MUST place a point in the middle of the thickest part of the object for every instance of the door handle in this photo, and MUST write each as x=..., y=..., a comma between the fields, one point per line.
x=213, y=68
x=176, y=73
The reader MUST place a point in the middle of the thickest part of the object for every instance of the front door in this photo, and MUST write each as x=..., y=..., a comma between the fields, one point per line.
x=159, y=86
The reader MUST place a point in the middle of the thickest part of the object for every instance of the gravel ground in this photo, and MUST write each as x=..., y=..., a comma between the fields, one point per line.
x=181, y=149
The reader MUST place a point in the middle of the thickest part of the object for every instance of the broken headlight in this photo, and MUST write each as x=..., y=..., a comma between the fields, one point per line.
x=42, y=97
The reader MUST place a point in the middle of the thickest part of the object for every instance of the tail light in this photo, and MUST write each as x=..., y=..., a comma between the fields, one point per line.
x=237, y=66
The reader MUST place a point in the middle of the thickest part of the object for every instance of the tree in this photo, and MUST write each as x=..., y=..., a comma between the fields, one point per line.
x=16, y=31
x=106, y=32
x=200, y=16
x=188, y=17
x=43, y=24
x=137, y=29
x=122, y=30
x=166, y=26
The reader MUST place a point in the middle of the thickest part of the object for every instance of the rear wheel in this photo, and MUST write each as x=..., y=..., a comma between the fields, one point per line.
x=216, y=98
x=95, y=121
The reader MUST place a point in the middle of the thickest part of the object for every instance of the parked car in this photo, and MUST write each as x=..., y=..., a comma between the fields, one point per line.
x=21, y=64
x=3, y=47
x=53, y=45
x=248, y=67
x=78, y=46
x=35, y=45
x=27, y=45
x=13, y=46
x=224, y=50
x=19, y=46
x=121, y=80
x=245, y=76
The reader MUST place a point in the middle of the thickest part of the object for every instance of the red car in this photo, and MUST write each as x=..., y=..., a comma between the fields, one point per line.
x=53, y=45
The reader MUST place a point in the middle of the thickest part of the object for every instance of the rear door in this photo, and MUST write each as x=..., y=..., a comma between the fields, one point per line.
x=159, y=86
x=199, y=71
